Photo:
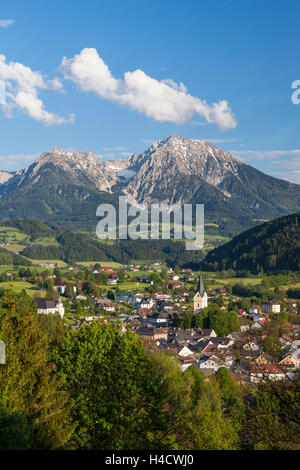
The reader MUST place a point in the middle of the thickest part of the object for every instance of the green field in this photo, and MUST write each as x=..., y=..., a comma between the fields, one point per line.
x=102, y=263
x=46, y=241
x=239, y=280
x=15, y=248
x=212, y=238
x=58, y=262
x=18, y=286
x=11, y=235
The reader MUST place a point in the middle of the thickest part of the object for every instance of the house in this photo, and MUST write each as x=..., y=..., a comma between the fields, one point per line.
x=210, y=362
x=61, y=290
x=135, y=300
x=47, y=265
x=258, y=324
x=244, y=324
x=209, y=332
x=50, y=306
x=152, y=333
x=184, y=351
x=173, y=285
x=145, y=278
x=144, y=312
x=186, y=362
x=251, y=346
x=271, y=307
x=255, y=309
x=147, y=302
x=112, y=279
x=165, y=305
x=80, y=297
x=265, y=372
x=264, y=358
x=107, y=268
x=105, y=304
x=285, y=340
x=296, y=357
x=242, y=312
x=289, y=360
x=124, y=296
x=159, y=319
x=206, y=347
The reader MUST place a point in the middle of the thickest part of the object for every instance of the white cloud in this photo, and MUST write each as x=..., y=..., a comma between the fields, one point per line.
x=113, y=154
x=11, y=162
x=6, y=23
x=266, y=154
x=220, y=141
x=162, y=100
x=108, y=149
x=286, y=162
x=292, y=176
x=22, y=86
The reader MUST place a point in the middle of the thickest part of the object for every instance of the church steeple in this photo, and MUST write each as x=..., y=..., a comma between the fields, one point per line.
x=200, y=298
x=201, y=288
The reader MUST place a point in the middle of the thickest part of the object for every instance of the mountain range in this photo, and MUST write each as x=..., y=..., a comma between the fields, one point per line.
x=65, y=188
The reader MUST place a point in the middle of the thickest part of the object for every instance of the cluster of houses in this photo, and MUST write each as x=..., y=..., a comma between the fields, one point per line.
x=154, y=318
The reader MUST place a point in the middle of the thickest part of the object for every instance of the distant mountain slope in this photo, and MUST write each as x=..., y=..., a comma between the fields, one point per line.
x=272, y=246
x=62, y=188
x=52, y=243
x=34, y=228
x=65, y=188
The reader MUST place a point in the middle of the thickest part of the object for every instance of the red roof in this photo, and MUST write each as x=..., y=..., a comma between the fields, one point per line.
x=265, y=369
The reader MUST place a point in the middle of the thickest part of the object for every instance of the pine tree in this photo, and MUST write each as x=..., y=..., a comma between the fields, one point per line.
x=26, y=380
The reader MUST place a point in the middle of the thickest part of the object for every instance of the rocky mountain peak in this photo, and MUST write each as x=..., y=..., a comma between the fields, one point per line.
x=174, y=169
x=164, y=161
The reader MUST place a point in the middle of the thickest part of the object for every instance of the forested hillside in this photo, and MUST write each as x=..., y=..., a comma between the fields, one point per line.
x=272, y=246
x=82, y=247
x=7, y=258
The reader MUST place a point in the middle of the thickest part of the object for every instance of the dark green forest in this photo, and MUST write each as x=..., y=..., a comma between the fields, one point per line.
x=270, y=247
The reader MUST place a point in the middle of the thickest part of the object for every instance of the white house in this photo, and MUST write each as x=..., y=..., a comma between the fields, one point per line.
x=184, y=351
x=50, y=306
x=271, y=307
x=211, y=362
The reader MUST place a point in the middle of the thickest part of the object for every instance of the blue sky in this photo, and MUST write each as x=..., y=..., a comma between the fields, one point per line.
x=136, y=71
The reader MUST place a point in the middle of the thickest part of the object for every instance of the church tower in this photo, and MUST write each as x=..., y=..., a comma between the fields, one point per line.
x=200, y=298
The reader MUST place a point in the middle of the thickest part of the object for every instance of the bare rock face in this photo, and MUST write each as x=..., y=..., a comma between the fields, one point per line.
x=80, y=167
x=164, y=162
x=5, y=176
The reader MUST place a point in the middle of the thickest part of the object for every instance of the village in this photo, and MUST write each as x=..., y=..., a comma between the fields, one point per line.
x=181, y=316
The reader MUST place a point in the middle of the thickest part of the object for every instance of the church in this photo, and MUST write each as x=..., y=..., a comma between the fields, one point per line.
x=200, y=298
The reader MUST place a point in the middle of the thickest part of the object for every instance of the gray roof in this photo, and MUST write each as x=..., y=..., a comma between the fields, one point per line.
x=45, y=303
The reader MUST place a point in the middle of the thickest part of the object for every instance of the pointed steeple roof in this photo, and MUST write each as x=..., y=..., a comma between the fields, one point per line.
x=201, y=288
